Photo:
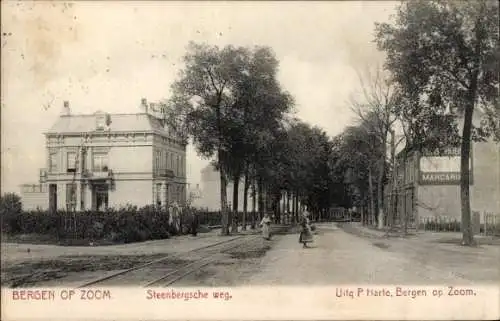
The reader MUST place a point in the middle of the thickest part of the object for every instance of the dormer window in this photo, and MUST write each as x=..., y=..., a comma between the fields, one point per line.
x=100, y=122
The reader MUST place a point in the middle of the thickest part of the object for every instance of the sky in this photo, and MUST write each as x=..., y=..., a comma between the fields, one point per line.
x=108, y=55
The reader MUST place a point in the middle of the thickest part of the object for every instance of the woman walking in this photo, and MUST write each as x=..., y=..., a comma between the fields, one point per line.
x=266, y=226
x=305, y=232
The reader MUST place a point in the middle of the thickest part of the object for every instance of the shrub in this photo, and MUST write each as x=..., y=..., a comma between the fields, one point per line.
x=123, y=225
x=10, y=203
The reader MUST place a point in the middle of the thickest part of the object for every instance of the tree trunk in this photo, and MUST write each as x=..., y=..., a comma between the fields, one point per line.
x=254, y=203
x=370, y=195
x=260, y=199
x=245, y=200
x=394, y=182
x=265, y=200
x=236, y=185
x=277, y=199
x=296, y=207
x=380, y=193
x=223, y=201
x=288, y=202
x=283, y=205
x=467, y=234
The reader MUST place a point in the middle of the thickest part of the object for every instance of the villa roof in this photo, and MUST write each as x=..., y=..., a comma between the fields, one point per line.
x=141, y=122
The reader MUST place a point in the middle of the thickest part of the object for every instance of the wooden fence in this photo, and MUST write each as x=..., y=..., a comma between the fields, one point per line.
x=491, y=224
x=488, y=226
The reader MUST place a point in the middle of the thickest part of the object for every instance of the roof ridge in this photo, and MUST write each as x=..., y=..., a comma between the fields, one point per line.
x=112, y=114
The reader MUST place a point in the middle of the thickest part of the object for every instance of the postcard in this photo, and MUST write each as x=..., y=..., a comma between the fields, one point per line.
x=259, y=160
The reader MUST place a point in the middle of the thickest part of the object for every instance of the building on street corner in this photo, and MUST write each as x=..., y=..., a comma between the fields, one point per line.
x=101, y=160
x=428, y=183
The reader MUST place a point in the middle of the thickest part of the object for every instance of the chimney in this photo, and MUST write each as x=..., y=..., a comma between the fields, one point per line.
x=66, y=111
x=144, y=104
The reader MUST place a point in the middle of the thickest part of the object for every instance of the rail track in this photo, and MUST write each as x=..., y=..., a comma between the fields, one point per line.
x=172, y=268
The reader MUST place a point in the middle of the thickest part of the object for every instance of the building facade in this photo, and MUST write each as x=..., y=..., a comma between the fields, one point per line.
x=35, y=196
x=428, y=183
x=210, y=191
x=104, y=160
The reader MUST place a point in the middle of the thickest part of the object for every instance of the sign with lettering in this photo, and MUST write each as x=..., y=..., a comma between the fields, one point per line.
x=441, y=168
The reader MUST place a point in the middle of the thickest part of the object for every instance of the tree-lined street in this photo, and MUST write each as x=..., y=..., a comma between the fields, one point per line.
x=435, y=91
x=339, y=257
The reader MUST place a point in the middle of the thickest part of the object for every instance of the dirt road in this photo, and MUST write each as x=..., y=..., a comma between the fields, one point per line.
x=342, y=258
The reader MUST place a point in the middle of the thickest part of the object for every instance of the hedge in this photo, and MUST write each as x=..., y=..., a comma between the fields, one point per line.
x=123, y=225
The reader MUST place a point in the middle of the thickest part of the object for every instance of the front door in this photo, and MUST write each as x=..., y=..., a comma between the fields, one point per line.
x=100, y=197
x=53, y=197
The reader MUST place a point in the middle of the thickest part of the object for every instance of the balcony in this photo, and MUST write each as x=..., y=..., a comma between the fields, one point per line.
x=167, y=173
x=104, y=173
x=43, y=176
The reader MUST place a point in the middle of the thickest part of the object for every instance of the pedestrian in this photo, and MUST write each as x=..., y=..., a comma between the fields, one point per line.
x=305, y=232
x=265, y=224
x=194, y=223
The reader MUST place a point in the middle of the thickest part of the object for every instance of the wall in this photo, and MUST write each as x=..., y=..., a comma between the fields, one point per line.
x=35, y=196
x=210, y=194
x=136, y=192
x=444, y=200
x=485, y=193
x=135, y=159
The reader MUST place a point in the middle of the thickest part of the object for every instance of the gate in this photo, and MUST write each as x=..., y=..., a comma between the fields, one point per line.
x=400, y=209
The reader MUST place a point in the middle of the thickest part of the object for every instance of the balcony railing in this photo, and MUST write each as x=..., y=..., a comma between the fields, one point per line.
x=166, y=173
x=98, y=174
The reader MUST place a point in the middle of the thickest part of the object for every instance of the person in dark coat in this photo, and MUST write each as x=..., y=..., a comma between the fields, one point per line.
x=194, y=223
x=306, y=235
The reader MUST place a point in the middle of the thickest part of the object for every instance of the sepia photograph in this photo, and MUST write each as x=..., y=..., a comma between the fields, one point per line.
x=197, y=151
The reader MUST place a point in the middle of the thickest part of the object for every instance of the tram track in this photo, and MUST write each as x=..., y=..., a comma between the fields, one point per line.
x=180, y=273
x=111, y=279
x=173, y=268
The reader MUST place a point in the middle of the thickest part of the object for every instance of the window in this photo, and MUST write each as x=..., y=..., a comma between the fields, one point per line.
x=161, y=160
x=156, y=161
x=172, y=161
x=158, y=194
x=53, y=162
x=100, y=162
x=167, y=157
x=71, y=162
x=183, y=167
x=178, y=165
x=100, y=122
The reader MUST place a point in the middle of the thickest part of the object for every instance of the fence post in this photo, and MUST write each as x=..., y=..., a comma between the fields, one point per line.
x=484, y=223
x=476, y=223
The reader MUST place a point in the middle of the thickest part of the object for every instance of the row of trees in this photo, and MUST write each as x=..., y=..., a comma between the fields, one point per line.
x=229, y=102
x=440, y=56
x=441, y=66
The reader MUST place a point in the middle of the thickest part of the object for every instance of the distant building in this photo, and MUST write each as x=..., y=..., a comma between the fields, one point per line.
x=35, y=196
x=429, y=183
x=195, y=195
x=107, y=160
x=210, y=190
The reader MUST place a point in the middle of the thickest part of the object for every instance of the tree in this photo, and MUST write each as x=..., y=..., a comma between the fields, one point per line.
x=204, y=96
x=229, y=102
x=10, y=203
x=260, y=105
x=360, y=154
x=445, y=53
x=375, y=109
